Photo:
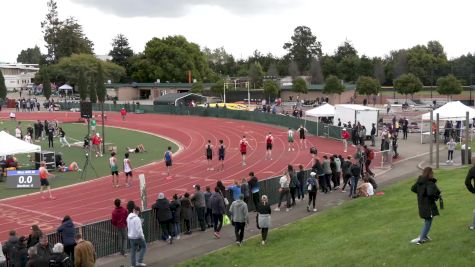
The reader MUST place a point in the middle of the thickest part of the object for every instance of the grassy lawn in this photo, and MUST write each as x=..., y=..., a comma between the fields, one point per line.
x=367, y=232
x=154, y=145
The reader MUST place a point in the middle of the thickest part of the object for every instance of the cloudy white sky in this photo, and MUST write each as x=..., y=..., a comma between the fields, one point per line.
x=241, y=26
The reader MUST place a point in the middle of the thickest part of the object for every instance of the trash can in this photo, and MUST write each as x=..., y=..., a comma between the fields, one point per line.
x=469, y=160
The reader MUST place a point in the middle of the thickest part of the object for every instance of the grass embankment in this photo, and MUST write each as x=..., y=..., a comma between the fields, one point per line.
x=121, y=138
x=367, y=232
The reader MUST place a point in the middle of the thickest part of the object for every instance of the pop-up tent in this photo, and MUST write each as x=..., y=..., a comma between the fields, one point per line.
x=10, y=145
x=65, y=87
x=325, y=110
x=454, y=111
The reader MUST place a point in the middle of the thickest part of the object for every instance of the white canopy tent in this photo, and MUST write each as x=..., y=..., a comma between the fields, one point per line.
x=454, y=111
x=10, y=145
x=451, y=111
x=65, y=87
x=325, y=110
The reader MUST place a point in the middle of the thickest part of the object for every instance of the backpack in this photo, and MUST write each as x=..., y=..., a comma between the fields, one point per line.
x=371, y=154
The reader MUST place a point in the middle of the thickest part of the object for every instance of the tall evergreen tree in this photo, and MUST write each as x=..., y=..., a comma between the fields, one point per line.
x=3, y=87
x=92, y=89
x=100, y=86
x=46, y=85
x=82, y=85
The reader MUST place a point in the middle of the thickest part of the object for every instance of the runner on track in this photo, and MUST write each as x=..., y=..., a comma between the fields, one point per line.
x=44, y=174
x=302, y=130
x=290, y=139
x=168, y=159
x=269, y=142
x=209, y=154
x=221, y=152
x=243, y=144
x=114, y=170
x=127, y=170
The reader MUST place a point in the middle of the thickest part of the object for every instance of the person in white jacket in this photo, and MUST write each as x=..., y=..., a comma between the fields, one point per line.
x=136, y=237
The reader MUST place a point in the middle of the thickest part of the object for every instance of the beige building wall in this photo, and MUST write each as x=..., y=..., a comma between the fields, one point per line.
x=127, y=93
x=344, y=98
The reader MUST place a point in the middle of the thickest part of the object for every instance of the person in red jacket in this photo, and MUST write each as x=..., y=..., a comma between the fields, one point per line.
x=344, y=137
x=123, y=112
x=96, y=143
x=119, y=221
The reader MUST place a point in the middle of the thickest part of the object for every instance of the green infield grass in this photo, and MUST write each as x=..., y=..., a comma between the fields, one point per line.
x=120, y=138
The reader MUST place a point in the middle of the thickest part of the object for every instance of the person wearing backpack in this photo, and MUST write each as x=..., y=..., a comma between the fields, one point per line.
x=312, y=191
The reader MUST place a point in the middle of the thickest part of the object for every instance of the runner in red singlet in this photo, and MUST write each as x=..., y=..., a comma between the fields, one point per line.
x=243, y=144
x=269, y=142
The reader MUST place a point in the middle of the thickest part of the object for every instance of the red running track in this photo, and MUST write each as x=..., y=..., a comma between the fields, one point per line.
x=93, y=200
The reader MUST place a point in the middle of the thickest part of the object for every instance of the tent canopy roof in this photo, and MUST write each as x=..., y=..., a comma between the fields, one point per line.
x=174, y=99
x=356, y=107
x=325, y=110
x=454, y=110
x=11, y=145
x=65, y=87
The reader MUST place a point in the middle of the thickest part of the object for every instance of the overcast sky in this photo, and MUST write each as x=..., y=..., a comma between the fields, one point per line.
x=374, y=27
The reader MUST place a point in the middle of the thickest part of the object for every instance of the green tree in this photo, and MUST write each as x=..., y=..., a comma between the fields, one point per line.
x=348, y=68
x=271, y=88
x=3, y=87
x=46, y=85
x=407, y=84
x=329, y=66
x=63, y=38
x=299, y=86
x=378, y=70
x=100, y=86
x=397, y=64
x=82, y=85
x=169, y=59
x=66, y=71
x=367, y=86
x=255, y=75
x=294, y=70
x=220, y=61
x=92, y=89
x=30, y=56
x=218, y=88
x=333, y=86
x=345, y=50
x=449, y=85
x=121, y=52
x=303, y=47
x=365, y=66
x=273, y=71
x=197, y=88
x=316, y=73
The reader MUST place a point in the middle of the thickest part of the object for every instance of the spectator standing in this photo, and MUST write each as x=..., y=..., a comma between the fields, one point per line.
x=264, y=218
x=209, y=213
x=175, y=207
x=119, y=221
x=59, y=258
x=254, y=186
x=470, y=184
x=346, y=168
x=85, y=254
x=427, y=194
x=235, y=190
x=218, y=209
x=373, y=135
x=8, y=247
x=34, y=236
x=301, y=180
x=245, y=190
x=19, y=255
x=344, y=138
x=450, y=150
x=284, y=190
x=199, y=202
x=239, y=214
x=67, y=232
x=164, y=216
x=96, y=144
x=136, y=238
x=294, y=183
x=355, y=170
x=34, y=260
x=362, y=135
x=369, y=156
x=327, y=174
x=43, y=248
x=405, y=128
x=337, y=170
x=3, y=260
x=186, y=212
x=50, y=132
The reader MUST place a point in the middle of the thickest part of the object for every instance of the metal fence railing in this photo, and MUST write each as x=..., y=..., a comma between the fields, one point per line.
x=105, y=238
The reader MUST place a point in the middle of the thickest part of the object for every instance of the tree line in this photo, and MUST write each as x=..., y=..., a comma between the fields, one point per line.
x=70, y=58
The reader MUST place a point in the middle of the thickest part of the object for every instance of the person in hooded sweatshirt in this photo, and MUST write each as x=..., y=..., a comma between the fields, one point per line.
x=239, y=214
x=427, y=195
x=164, y=216
x=8, y=246
x=67, y=232
x=19, y=256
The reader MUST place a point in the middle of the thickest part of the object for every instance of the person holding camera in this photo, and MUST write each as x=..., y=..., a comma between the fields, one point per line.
x=470, y=184
x=427, y=195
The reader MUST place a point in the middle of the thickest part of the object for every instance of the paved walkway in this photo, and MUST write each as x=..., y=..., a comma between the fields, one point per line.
x=200, y=243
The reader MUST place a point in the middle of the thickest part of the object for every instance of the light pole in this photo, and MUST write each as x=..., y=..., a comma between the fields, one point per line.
x=224, y=92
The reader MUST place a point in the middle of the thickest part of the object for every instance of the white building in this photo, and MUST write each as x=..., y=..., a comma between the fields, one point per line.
x=19, y=75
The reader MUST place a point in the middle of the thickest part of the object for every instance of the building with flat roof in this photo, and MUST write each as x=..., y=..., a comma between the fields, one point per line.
x=146, y=91
x=18, y=76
